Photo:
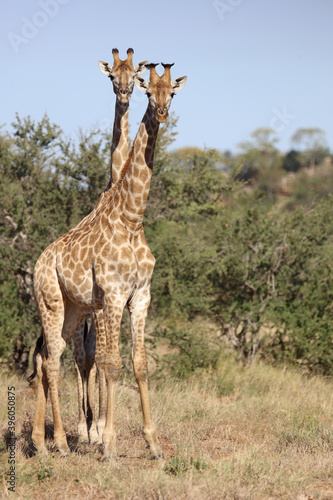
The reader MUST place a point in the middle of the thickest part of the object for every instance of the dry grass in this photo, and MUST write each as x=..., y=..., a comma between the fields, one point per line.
x=241, y=433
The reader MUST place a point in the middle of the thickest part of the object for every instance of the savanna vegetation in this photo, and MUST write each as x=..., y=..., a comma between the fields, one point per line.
x=243, y=243
x=239, y=432
x=240, y=328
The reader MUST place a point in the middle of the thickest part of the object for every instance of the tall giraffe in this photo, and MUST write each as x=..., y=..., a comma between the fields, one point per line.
x=122, y=75
x=104, y=264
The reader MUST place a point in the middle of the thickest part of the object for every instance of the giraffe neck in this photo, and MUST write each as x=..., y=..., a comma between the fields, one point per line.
x=120, y=140
x=135, y=186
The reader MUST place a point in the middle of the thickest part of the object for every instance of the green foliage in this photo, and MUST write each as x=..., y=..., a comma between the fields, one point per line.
x=44, y=474
x=186, y=184
x=277, y=272
x=304, y=306
x=291, y=161
x=42, y=196
x=312, y=144
x=179, y=466
x=9, y=319
x=191, y=350
x=226, y=254
x=258, y=155
x=178, y=274
x=307, y=188
x=250, y=253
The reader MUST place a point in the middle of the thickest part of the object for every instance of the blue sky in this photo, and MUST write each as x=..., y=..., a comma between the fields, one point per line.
x=249, y=63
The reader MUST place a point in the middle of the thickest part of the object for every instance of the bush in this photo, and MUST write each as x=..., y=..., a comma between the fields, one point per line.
x=291, y=161
x=192, y=350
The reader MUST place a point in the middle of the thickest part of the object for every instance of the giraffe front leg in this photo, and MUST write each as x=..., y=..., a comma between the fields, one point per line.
x=138, y=309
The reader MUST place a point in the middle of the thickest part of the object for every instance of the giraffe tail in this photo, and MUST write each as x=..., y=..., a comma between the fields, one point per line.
x=85, y=332
x=38, y=349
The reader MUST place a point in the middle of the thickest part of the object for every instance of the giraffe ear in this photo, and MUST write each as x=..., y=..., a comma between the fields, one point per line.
x=105, y=67
x=140, y=68
x=141, y=83
x=179, y=83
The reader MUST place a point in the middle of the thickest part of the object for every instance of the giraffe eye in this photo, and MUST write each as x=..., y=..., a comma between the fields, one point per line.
x=148, y=94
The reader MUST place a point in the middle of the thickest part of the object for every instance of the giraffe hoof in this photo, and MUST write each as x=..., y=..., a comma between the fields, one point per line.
x=159, y=456
x=41, y=451
x=82, y=432
x=83, y=440
x=64, y=453
x=94, y=437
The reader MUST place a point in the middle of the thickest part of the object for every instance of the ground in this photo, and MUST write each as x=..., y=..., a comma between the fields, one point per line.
x=239, y=433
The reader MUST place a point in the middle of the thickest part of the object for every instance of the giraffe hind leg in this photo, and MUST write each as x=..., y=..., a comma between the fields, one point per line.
x=59, y=323
x=38, y=432
x=98, y=329
x=90, y=367
x=80, y=361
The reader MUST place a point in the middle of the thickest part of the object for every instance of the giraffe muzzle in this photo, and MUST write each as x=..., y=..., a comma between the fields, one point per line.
x=123, y=95
x=162, y=114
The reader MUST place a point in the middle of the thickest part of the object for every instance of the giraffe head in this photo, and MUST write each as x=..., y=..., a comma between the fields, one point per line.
x=122, y=74
x=160, y=90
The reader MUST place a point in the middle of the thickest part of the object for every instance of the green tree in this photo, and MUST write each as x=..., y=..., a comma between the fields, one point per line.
x=291, y=161
x=225, y=255
x=249, y=255
x=312, y=144
x=272, y=284
x=260, y=161
x=47, y=185
x=303, y=312
x=258, y=153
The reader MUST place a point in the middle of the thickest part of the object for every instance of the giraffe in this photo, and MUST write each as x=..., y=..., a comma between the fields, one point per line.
x=122, y=75
x=104, y=264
